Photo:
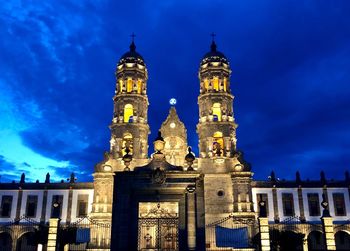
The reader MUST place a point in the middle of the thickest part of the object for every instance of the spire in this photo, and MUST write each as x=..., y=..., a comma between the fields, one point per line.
x=213, y=44
x=132, y=45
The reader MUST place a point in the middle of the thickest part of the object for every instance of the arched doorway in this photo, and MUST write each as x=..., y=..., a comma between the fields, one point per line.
x=316, y=241
x=216, y=112
x=27, y=242
x=128, y=113
x=342, y=240
x=286, y=240
x=218, y=144
x=5, y=241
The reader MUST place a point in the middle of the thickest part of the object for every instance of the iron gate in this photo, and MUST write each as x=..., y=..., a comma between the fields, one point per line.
x=158, y=234
x=158, y=225
x=231, y=232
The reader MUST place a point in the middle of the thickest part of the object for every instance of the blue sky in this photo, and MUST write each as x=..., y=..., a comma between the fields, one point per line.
x=290, y=63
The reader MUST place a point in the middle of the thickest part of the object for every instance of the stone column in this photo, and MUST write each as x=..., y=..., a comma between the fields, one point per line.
x=69, y=207
x=264, y=226
x=43, y=210
x=301, y=204
x=264, y=233
x=327, y=223
x=191, y=218
x=19, y=203
x=305, y=244
x=14, y=244
x=52, y=238
x=275, y=204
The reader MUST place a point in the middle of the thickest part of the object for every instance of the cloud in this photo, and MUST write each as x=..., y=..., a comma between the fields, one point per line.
x=290, y=78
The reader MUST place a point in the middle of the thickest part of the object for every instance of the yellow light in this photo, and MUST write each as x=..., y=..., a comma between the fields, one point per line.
x=219, y=139
x=129, y=85
x=139, y=86
x=120, y=86
x=127, y=140
x=128, y=112
x=216, y=83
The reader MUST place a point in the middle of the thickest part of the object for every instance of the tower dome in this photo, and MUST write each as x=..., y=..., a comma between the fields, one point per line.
x=131, y=57
x=214, y=56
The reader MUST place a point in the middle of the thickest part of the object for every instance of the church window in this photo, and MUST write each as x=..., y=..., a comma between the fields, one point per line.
x=128, y=113
x=120, y=86
x=216, y=112
x=56, y=206
x=225, y=84
x=32, y=204
x=129, y=85
x=127, y=143
x=263, y=197
x=139, y=86
x=288, y=205
x=314, y=204
x=82, y=205
x=218, y=144
x=216, y=83
x=339, y=204
x=6, y=205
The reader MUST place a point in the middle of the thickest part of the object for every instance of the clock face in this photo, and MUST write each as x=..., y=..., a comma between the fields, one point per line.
x=172, y=101
x=238, y=167
x=107, y=168
x=172, y=125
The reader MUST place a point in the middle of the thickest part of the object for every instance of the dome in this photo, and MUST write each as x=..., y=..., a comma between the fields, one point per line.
x=214, y=55
x=132, y=56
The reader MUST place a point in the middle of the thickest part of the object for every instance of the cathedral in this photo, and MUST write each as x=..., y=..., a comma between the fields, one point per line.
x=173, y=200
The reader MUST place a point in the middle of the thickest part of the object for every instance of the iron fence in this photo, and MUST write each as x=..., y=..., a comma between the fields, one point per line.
x=82, y=234
x=295, y=234
x=231, y=232
x=23, y=234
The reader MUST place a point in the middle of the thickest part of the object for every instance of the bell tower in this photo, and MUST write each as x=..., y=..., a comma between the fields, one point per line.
x=216, y=128
x=129, y=126
x=227, y=177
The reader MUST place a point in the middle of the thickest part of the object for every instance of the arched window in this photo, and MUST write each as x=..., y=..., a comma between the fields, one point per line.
x=128, y=113
x=217, y=111
x=206, y=84
x=139, y=86
x=218, y=144
x=129, y=85
x=216, y=83
x=225, y=84
x=127, y=143
x=120, y=86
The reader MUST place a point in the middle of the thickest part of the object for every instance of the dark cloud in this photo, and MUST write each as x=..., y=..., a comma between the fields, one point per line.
x=290, y=76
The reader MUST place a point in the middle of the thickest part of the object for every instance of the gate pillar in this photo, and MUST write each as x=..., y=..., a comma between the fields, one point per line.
x=52, y=238
x=264, y=233
x=327, y=223
x=191, y=218
x=305, y=244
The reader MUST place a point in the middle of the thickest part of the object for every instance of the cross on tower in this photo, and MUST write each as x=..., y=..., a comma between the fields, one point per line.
x=213, y=35
x=132, y=36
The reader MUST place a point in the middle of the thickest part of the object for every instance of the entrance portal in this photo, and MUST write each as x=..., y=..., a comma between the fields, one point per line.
x=158, y=226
